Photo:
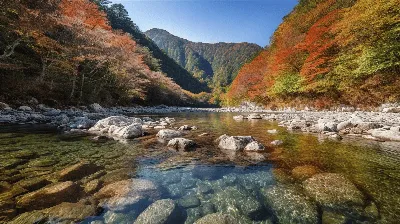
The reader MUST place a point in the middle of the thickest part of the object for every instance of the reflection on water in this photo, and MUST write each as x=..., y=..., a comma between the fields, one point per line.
x=305, y=180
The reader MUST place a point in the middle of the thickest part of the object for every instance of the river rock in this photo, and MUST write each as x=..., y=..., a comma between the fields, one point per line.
x=326, y=125
x=121, y=204
x=33, y=184
x=184, y=128
x=390, y=135
x=254, y=146
x=304, y=172
x=272, y=131
x=95, y=107
x=216, y=218
x=289, y=206
x=129, y=188
x=189, y=201
x=119, y=127
x=277, y=142
x=391, y=110
x=182, y=144
x=30, y=217
x=25, y=108
x=81, y=123
x=238, y=201
x=160, y=212
x=49, y=196
x=70, y=211
x=333, y=191
x=4, y=106
x=239, y=117
x=235, y=143
x=78, y=171
x=169, y=134
x=254, y=116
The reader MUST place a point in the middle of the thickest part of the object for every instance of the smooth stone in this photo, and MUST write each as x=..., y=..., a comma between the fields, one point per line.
x=33, y=184
x=181, y=144
x=162, y=211
x=111, y=217
x=304, y=172
x=92, y=186
x=254, y=146
x=129, y=188
x=277, y=142
x=30, y=217
x=120, y=204
x=71, y=211
x=25, y=108
x=333, y=218
x=49, y=196
x=386, y=134
x=241, y=199
x=216, y=218
x=169, y=134
x=95, y=107
x=189, y=201
x=234, y=143
x=78, y=171
x=289, y=206
x=333, y=191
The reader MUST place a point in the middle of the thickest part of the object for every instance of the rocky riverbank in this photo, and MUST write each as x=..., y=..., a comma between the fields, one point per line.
x=382, y=124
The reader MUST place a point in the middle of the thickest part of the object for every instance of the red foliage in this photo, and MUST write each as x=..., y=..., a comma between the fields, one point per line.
x=320, y=45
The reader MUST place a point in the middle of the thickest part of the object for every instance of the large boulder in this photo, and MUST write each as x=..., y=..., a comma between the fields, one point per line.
x=169, y=134
x=235, y=143
x=119, y=127
x=391, y=110
x=289, y=206
x=238, y=202
x=333, y=191
x=216, y=218
x=160, y=212
x=49, y=196
x=181, y=144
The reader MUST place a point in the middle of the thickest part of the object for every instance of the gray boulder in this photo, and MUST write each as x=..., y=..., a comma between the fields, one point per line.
x=25, y=108
x=390, y=135
x=333, y=191
x=119, y=127
x=289, y=206
x=234, y=143
x=216, y=218
x=169, y=134
x=182, y=144
x=4, y=106
x=254, y=146
x=95, y=107
x=160, y=212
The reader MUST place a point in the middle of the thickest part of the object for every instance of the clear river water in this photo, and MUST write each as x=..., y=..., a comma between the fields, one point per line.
x=307, y=179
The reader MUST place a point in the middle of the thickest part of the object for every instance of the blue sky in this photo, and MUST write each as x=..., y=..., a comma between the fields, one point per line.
x=211, y=21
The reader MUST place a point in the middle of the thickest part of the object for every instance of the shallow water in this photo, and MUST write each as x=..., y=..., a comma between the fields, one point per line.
x=253, y=188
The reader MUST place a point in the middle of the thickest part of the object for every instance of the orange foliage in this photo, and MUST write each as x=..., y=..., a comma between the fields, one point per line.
x=86, y=12
x=320, y=45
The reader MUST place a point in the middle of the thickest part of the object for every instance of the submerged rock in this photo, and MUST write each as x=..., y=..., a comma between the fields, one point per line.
x=289, y=206
x=49, y=196
x=304, y=172
x=216, y=218
x=235, y=143
x=160, y=212
x=169, y=134
x=238, y=201
x=254, y=116
x=70, y=211
x=182, y=144
x=333, y=191
x=78, y=171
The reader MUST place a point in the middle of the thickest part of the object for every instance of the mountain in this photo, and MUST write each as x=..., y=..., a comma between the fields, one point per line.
x=327, y=52
x=215, y=64
x=120, y=20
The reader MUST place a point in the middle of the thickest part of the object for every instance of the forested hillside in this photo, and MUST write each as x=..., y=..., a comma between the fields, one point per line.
x=215, y=64
x=119, y=19
x=66, y=52
x=327, y=52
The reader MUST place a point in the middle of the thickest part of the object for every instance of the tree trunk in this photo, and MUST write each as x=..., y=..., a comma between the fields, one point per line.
x=82, y=84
